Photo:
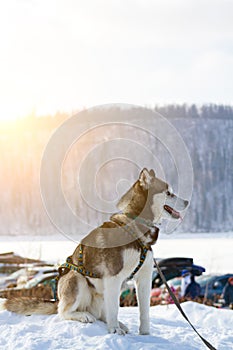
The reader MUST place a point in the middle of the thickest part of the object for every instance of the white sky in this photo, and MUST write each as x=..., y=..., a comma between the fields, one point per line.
x=67, y=54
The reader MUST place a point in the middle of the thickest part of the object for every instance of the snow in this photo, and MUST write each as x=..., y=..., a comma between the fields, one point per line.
x=168, y=331
x=168, y=328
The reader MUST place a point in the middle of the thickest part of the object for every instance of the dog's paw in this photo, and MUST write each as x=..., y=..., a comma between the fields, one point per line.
x=144, y=328
x=144, y=332
x=116, y=330
x=123, y=327
x=84, y=317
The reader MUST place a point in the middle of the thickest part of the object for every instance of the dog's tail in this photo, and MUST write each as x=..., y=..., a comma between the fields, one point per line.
x=29, y=306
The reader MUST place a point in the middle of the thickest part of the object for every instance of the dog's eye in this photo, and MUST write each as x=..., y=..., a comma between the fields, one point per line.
x=168, y=193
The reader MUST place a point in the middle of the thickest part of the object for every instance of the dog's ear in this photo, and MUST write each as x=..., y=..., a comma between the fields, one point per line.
x=152, y=173
x=146, y=177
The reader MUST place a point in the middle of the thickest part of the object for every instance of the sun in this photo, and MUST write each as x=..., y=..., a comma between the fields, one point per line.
x=13, y=111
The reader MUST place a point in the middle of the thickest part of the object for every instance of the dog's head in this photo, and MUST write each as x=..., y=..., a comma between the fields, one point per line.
x=152, y=198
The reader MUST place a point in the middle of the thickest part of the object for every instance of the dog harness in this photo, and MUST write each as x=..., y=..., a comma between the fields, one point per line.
x=69, y=266
x=81, y=269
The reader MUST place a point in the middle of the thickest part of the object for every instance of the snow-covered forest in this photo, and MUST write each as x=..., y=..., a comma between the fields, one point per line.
x=207, y=131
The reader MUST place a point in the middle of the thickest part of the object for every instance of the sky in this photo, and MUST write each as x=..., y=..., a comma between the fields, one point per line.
x=63, y=55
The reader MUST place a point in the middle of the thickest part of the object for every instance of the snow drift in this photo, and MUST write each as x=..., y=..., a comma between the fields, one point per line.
x=168, y=331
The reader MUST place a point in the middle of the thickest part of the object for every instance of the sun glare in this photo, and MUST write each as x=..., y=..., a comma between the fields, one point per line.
x=13, y=112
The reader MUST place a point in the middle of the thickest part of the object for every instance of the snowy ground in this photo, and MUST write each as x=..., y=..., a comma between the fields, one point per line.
x=168, y=329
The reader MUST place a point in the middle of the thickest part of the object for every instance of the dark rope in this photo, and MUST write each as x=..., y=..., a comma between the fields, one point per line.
x=174, y=298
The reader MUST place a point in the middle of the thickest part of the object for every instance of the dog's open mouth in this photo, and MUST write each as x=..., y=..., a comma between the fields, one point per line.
x=175, y=214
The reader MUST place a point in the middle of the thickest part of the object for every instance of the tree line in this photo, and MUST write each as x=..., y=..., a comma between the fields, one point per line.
x=208, y=138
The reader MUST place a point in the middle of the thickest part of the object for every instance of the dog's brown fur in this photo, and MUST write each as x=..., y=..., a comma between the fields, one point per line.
x=26, y=306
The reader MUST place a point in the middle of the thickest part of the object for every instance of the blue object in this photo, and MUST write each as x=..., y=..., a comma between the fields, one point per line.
x=184, y=272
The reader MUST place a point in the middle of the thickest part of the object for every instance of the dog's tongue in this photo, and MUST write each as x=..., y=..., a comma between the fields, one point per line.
x=175, y=214
x=178, y=215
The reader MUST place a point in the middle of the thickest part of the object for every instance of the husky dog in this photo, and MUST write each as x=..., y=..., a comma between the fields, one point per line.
x=112, y=253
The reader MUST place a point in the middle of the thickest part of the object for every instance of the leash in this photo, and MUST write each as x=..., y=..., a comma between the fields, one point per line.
x=148, y=223
x=174, y=298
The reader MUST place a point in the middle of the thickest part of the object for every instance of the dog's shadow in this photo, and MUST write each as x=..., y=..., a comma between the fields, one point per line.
x=133, y=340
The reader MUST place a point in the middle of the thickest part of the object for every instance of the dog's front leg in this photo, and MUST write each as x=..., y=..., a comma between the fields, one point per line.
x=143, y=288
x=112, y=287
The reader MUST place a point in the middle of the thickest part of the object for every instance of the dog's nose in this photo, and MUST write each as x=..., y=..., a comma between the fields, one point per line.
x=186, y=203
